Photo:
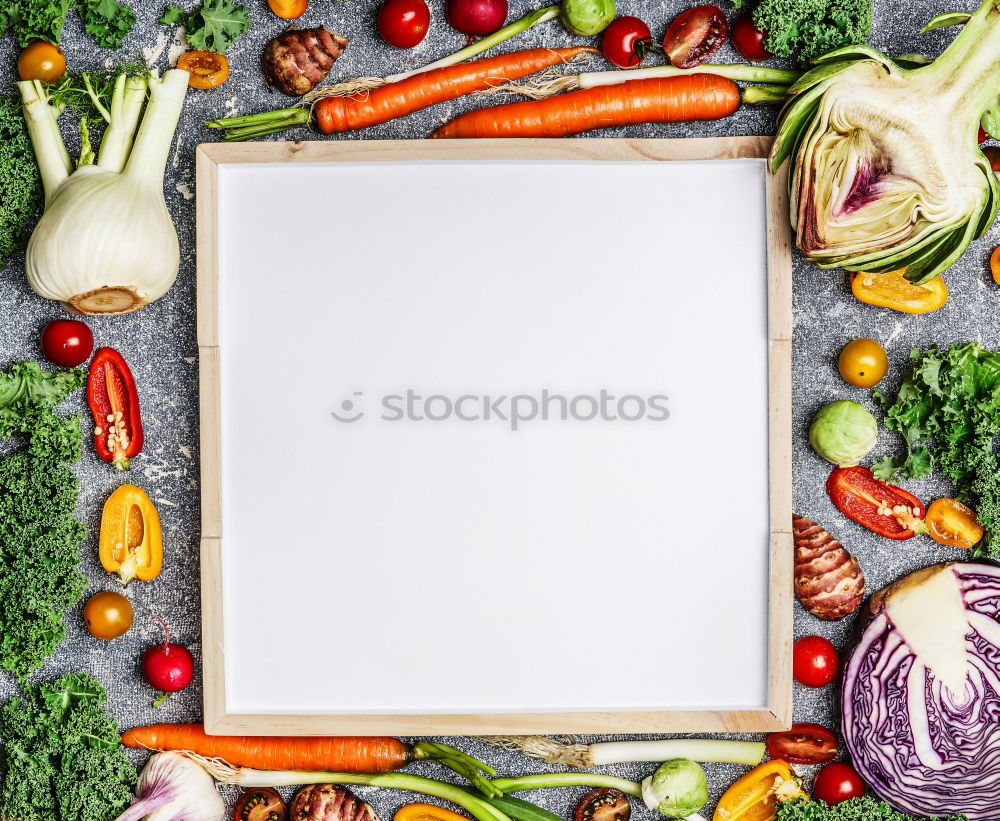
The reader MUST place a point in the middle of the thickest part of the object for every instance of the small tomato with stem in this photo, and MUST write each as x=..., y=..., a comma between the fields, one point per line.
x=626, y=42
x=403, y=23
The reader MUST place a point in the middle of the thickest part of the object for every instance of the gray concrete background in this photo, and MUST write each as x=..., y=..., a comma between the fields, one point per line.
x=159, y=343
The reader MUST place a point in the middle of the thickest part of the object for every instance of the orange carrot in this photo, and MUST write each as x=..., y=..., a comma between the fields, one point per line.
x=343, y=754
x=660, y=100
x=340, y=754
x=336, y=114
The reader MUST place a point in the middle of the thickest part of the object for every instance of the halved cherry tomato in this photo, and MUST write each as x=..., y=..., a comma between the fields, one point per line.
x=41, y=61
x=260, y=804
x=403, y=23
x=814, y=661
x=603, y=804
x=207, y=69
x=752, y=797
x=885, y=509
x=836, y=783
x=695, y=35
x=951, y=523
x=805, y=743
x=426, y=812
x=748, y=40
x=893, y=290
x=288, y=9
x=626, y=42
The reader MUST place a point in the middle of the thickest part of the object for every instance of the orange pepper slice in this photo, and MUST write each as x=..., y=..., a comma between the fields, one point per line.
x=426, y=812
x=753, y=797
x=207, y=69
x=951, y=523
x=131, y=542
x=893, y=290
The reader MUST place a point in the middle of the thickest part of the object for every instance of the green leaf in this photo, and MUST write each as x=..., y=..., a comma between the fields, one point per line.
x=212, y=26
x=107, y=21
x=948, y=18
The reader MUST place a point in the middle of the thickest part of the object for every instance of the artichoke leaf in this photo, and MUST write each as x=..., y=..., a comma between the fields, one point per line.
x=945, y=19
x=856, y=53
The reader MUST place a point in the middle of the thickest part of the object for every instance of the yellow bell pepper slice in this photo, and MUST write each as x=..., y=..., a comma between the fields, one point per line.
x=893, y=290
x=753, y=797
x=131, y=542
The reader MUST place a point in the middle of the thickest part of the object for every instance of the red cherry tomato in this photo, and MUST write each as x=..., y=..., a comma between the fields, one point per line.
x=168, y=667
x=836, y=783
x=695, y=35
x=403, y=23
x=626, y=42
x=67, y=342
x=814, y=661
x=260, y=804
x=803, y=744
x=748, y=40
x=603, y=804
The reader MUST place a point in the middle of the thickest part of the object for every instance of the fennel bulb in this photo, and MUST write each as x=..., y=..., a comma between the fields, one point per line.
x=888, y=173
x=105, y=243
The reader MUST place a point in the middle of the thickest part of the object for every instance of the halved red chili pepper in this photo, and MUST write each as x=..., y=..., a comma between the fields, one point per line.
x=114, y=402
x=885, y=509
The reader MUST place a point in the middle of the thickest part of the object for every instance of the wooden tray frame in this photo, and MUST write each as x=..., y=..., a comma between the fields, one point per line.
x=777, y=715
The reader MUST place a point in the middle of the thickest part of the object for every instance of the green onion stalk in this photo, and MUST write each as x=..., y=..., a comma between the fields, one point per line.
x=887, y=173
x=250, y=126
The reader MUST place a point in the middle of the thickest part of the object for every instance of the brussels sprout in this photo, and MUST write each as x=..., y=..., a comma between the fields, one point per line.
x=587, y=17
x=843, y=432
x=677, y=789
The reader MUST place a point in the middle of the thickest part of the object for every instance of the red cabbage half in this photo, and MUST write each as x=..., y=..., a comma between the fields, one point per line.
x=921, y=693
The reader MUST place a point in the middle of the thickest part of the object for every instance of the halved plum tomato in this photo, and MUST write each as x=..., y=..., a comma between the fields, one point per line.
x=805, y=743
x=603, y=804
x=695, y=35
x=884, y=509
x=260, y=804
x=207, y=69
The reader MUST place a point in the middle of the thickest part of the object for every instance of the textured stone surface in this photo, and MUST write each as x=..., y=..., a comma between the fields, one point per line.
x=159, y=342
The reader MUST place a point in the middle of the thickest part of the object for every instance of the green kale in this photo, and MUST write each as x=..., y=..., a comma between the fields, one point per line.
x=856, y=809
x=214, y=25
x=39, y=536
x=61, y=760
x=107, y=21
x=948, y=413
x=810, y=28
x=20, y=183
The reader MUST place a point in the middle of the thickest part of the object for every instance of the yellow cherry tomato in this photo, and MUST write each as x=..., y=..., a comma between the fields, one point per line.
x=893, y=290
x=41, y=61
x=426, y=812
x=951, y=523
x=863, y=363
x=108, y=615
x=995, y=264
x=207, y=69
x=288, y=9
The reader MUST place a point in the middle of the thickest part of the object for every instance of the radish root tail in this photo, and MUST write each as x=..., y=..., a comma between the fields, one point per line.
x=547, y=749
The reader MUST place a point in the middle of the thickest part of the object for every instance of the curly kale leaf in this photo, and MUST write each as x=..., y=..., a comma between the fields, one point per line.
x=948, y=413
x=213, y=25
x=61, y=760
x=810, y=28
x=39, y=536
x=855, y=809
x=107, y=21
x=20, y=183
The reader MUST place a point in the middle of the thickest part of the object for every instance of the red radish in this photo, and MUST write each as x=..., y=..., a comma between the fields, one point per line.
x=167, y=667
x=477, y=18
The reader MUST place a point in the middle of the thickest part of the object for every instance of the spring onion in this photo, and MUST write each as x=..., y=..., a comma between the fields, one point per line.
x=584, y=756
